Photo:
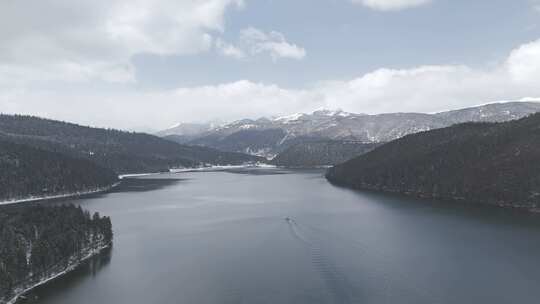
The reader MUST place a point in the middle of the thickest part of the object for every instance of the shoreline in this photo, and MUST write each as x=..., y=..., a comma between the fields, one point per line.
x=57, y=196
x=220, y=167
x=444, y=200
x=123, y=176
x=306, y=167
x=196, y=169
x=67, y=270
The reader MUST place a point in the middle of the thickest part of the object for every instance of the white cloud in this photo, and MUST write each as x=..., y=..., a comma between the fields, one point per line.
x=439, y=87
x=255, y=42
x=391, y=5
x=523, y=63
x=158, y=109
x=273, y=43
x=422, y=89
x=229, y=50
x=95, y=39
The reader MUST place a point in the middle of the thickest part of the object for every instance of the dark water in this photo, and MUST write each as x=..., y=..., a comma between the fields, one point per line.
x=223, y=237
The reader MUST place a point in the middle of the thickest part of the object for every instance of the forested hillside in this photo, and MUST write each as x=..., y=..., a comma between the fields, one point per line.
x=27, y=172
x=39, y=242
x=321, y=153
x=490, y=163
x=122, y=152
x=256, y=142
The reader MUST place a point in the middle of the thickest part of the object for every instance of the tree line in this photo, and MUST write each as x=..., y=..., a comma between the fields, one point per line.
x=27, y=171
x=489, y=163
x=120, y=151
x=38, y=242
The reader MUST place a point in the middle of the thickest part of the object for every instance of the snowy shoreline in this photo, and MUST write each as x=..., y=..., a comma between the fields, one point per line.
x=122, y=176
x=225, y=167
x=68, y=269
x=57, y=196
x=197, y=169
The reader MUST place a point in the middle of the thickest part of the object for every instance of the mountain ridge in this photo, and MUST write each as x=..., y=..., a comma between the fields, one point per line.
x=121, y=151
x=340, y=125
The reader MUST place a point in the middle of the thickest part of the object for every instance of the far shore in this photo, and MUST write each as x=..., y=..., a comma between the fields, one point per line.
x=123, y=176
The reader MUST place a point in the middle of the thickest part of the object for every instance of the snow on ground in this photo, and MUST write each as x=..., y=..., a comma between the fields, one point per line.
x=65, y=195
x=70, y=268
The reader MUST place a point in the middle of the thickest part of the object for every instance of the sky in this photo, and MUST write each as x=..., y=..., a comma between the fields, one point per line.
x=148, y=64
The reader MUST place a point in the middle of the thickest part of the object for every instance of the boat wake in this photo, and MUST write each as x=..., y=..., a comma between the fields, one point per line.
x=337, y=285
x=322, y=246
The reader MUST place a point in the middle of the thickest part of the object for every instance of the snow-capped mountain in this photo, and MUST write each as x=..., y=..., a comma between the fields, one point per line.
x=494, y=112
x=184, y=132
x=267, y=137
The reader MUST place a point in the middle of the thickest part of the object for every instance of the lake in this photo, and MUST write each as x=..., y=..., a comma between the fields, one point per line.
x=262, y=235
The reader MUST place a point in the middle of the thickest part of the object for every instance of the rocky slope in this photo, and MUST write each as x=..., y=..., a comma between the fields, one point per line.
x=184, y=132
x=257, y=141
x=489, y=163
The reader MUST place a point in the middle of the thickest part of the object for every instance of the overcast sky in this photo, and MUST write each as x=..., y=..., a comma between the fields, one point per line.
x=147, y=64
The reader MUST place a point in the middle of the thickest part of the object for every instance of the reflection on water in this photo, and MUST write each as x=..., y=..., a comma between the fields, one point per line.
x=257, y=171
x=145, y=184
x=88, y=269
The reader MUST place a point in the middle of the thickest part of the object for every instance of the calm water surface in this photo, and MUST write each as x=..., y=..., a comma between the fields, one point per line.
x=223, y=237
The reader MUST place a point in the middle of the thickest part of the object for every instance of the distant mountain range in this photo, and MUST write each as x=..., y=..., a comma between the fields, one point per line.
x=119, y=151
x=268, y=137
x=184, y=132
x=489, y=163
